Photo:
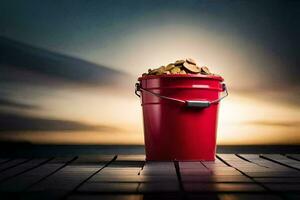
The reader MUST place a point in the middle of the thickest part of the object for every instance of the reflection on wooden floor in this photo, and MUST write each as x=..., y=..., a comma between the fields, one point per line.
x=231, y=176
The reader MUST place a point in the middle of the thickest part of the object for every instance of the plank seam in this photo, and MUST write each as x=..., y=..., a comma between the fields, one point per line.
x=27, y=170
x=241, y=157
x=4, y=169
x=3, y=162
x=292, y=158
x=280, y=163
x=257, y=182
x=260, y=184
x=177, y=169
x=139, y=173
x=88, y=178
x=45, y=177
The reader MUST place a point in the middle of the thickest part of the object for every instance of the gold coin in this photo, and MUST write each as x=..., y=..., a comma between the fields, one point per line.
x=182, y=72
x=160, y=72
x=153, y=72
x=169, y=67
x=205, y=70
x=191, y=68
x=180, y=67
x=161, y=68
x=191, y=61
x=175, y=70
x=179, y=62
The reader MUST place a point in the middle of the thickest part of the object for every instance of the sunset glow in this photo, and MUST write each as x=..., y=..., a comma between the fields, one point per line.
x=91, y=67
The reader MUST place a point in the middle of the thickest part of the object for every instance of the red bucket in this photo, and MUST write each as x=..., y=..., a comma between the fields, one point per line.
x=180, y=115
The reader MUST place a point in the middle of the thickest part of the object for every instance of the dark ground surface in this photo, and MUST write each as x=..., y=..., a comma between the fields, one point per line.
x=91, y=175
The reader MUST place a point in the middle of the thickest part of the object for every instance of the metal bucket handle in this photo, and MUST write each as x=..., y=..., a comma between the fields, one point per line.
x=188, y=103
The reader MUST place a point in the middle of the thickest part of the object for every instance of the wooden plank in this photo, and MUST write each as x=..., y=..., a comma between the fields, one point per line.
x=63, y=160
x=272, y=169
x=87, y=178
x=152, y=187
x=199, y=196
x=278, y=180
x=216, y=179
x=219, y=168
x=278, y=187
x=283, y=160
x=255, y=158
x=110, y=174
x=109, y=187
x=116, y=174
x=294, y=156
x=223, y=176
x=65, y=179
x=222, y=187
x=242, y=164
x=163, y=196
x=147, y=196
x=131, y=178
x=131, y=158
x=249, y=197
x=280, y=158
x=122, y=170
x=159, y=176
x=159, y=168
x=29, y=178
x=192, y=166
x=3, y=160
x=214, y=164
x=272, y=174
x=109, y=179
x=127, y=164
x=105, y=197
x=92, y=159
x=68, y=179
x=153, y=177
x=12, y=163
x=21, y=168
x=193, y=169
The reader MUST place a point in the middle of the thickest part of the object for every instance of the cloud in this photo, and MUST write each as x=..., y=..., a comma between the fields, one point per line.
x=288, y=95
x=21, y=62
x=13, y=104
x=292, y=124
x=11, y=122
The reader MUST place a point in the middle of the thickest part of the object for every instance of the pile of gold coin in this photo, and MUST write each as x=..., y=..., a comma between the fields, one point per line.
x=187, y=66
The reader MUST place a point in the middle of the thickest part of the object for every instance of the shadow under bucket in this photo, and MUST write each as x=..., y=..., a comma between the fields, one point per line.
x=180, y=115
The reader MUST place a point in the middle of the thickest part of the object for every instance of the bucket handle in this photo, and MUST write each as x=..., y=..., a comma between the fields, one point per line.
x=188, y=103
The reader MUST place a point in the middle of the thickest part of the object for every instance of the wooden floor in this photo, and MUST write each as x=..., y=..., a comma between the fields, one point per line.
x=231, y=176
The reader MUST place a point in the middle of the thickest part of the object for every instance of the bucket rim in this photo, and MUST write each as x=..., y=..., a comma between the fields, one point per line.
x=215, y=77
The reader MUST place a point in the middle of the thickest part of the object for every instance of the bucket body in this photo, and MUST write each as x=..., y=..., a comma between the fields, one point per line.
x=173, y=131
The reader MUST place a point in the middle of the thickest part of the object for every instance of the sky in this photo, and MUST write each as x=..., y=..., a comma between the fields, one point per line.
x=68, y=68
